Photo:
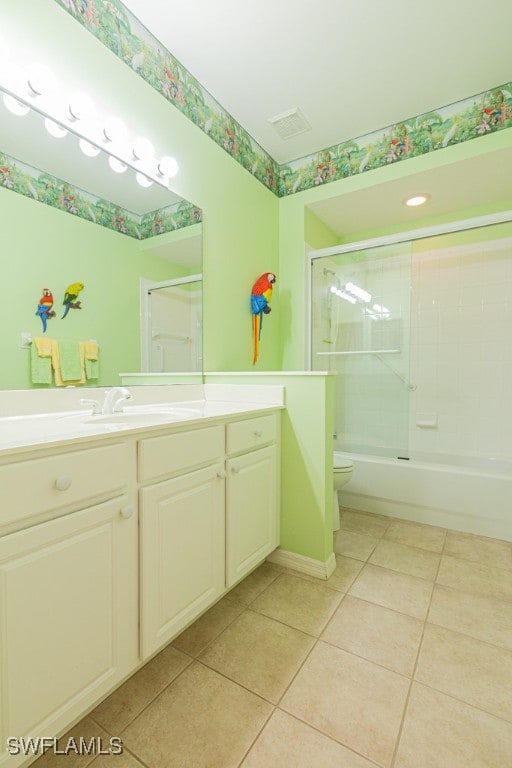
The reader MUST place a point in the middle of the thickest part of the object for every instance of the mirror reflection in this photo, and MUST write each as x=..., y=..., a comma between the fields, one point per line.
x=69, y=220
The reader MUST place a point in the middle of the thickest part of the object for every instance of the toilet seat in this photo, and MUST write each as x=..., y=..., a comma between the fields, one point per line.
x=342, y=465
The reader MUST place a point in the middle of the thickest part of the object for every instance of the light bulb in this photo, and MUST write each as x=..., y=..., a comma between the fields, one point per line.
x=142, y=149
x=116, y=165
x=81, y=107
x=115, y=130
x=40, y=79
x=168, y=167
x=15, y=106
x=412, y=202
x=54, y=129
x=143, y=180
x=88, y=149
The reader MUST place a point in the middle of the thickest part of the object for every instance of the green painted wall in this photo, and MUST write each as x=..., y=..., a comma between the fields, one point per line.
x=306, y=459
x=46, y=248
x=316, y=233
x=466, y=237
x=293, y=220
x=240, y=216
x=246, y=231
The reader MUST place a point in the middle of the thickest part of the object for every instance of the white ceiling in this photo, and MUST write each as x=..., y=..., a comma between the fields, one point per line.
x=351, y=67
x=380, y=206
x=184, y=253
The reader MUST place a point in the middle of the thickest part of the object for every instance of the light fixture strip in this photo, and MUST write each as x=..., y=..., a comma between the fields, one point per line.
x=149, y=168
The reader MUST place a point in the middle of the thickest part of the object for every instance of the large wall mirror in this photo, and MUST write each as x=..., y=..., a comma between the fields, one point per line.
x=69, y=218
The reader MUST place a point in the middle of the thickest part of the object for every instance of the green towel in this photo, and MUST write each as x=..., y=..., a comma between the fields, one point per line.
x=92, y=369
x=40, y=367
x=70, y=363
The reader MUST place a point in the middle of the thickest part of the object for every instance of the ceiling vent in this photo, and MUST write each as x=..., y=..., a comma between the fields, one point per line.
x=290, y=123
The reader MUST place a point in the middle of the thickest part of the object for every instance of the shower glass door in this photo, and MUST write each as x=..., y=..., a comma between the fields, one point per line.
x=360, y=328
x=173, y=321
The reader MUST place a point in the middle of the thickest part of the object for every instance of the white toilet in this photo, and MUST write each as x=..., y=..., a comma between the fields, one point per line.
x=342, y=471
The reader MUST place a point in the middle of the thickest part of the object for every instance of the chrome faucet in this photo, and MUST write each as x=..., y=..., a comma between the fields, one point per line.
x=113, y=399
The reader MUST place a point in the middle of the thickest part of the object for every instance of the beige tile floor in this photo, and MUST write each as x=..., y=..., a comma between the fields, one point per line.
x=402, y=659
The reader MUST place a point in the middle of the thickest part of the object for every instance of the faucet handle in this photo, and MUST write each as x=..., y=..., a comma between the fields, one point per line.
x=96, y=407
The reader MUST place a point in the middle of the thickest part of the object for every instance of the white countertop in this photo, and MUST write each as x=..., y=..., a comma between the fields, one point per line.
x=41, y=430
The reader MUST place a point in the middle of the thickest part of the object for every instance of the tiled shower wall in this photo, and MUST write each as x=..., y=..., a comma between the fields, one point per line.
x=461, y=349
x=447, y=387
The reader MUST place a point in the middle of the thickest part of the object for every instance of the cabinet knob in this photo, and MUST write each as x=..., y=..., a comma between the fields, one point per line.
x=221, y=474
x=258, y=433
x=127, y=512
x=63, y=482
x=235, y=470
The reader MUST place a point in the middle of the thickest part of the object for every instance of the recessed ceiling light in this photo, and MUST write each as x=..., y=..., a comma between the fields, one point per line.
x=416, y=200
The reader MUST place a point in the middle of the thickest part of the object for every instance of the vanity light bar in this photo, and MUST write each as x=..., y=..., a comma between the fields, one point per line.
x=37, y=89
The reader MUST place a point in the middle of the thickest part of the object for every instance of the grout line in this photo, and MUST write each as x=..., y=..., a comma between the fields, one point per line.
x=466, y=703
x=331, y=738
x=253, y=742
x=296, y=673
x=195, y=657
x=235, y=682
x=413, y=673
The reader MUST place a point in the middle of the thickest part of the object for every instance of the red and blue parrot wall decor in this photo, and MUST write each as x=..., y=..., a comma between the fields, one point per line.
x=260, y=299
x=44, y=308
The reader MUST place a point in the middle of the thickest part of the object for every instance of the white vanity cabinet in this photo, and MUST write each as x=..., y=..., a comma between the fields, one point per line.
x=68, y=586
x=252, y=494
x=212, y=522
x=109, y=551
x=182, y=531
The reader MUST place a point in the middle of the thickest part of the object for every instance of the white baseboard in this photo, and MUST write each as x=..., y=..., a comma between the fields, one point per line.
x=317, y=568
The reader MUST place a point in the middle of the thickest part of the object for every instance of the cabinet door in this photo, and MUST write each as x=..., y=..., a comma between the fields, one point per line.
x=183, y=553
x=68, y=617
x=252, y=511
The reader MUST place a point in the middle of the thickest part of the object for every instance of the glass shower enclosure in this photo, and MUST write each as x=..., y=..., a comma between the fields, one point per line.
x=417, y=327
x=360, y=328
x=171, y=325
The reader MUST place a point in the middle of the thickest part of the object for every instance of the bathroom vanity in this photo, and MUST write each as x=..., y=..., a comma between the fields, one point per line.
x=113, y=541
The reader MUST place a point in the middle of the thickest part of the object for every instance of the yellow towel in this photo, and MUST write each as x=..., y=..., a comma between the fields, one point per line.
x=91, y=350
x=43, y=346
x=74, y=367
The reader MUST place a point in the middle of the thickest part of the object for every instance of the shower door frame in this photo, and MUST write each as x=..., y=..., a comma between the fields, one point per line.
x=500, y=217
x=146, y=286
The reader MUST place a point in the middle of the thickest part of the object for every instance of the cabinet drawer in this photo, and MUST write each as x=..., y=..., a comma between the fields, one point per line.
x=169, y=454
x=251, y=434
x=42, y=486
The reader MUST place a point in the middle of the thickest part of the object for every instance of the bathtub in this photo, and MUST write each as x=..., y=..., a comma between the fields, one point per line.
x=470, y=494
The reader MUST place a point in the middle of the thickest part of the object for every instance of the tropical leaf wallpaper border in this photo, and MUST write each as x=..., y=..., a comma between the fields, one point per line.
x=471, y=118
x=120, y=31
x=45, y=188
